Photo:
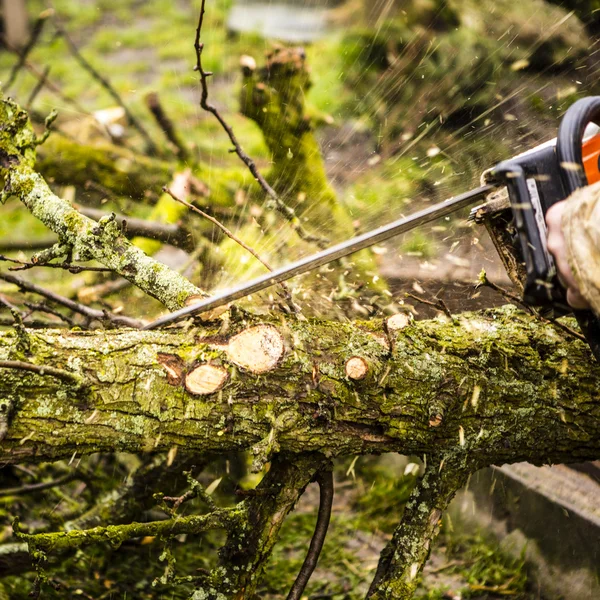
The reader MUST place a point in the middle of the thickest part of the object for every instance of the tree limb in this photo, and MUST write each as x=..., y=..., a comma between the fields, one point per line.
x=102, y=241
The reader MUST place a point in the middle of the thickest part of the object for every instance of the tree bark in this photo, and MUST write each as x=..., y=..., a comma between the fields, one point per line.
x=496, y=387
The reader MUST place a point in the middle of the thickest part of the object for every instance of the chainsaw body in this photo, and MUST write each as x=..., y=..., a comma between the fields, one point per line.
x=535, y=181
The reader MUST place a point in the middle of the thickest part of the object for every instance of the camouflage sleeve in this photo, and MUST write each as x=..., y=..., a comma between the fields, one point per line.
x=581, y=228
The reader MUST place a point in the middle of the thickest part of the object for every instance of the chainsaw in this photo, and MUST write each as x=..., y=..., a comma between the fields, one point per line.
x=519, y=192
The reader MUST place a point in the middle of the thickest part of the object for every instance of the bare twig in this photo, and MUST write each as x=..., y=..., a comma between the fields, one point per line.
x=44, y=308
x=151, y=146
x=98, y=315
x=222, y=227
x=286, y=290
x=325, y=481
x=42, y=370
x=24, y=265
x=35, y=34
x=41, y=82
x=166, y=125
x=288, y=212
x=55, y=89
x=38, y=487
x=438, y=303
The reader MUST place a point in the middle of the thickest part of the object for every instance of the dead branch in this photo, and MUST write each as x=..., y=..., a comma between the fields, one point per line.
x=288, y=212
x=102, y=316
x=285, y=288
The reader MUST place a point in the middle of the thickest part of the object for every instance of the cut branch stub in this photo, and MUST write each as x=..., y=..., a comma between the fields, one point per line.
x=206, y=379
x=398, y=321
x=257, y=349
x=173, y=365
x=356, y=368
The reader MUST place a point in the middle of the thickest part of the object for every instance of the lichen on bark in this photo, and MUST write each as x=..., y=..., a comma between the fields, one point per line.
x=102, y=241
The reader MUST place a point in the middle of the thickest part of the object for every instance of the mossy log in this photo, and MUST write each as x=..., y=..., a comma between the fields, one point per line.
x=536, y=390
x=125, y=173
x=479, y=389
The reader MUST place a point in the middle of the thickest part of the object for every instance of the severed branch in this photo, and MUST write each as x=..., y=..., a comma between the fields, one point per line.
x=325, y=481
x=151, y=146
x=288, y=212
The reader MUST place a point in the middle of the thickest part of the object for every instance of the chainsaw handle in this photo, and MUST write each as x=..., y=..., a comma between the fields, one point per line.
x=569, y=142
x=569, y=155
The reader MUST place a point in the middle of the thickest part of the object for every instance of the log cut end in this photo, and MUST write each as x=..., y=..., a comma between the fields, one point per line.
x=257, y=349
x=356, y=368
x=206, y=379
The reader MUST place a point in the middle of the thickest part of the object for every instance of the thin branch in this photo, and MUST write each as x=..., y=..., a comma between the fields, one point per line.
x=55, y=89
x=438, y=304
x=151, y=146
x=218, y=224
x=44, y=308
x=41, y=82
x=42, y=370
x=38, y=487
x=288, y=212
x=117, y=534
x=286, y=290
x=35, y=34
x=325, y=481
x=165, y=124
x=91, y=313
x=24, y=265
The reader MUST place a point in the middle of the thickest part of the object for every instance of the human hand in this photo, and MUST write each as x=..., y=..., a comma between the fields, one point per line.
x=558, y=248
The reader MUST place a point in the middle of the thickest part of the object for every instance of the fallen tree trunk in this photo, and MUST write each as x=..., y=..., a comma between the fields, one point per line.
x=500, y=387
